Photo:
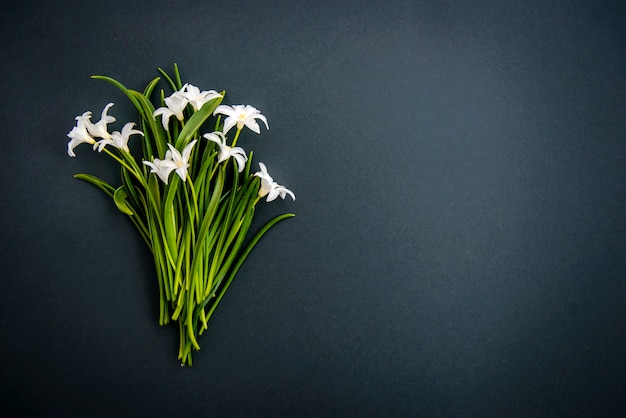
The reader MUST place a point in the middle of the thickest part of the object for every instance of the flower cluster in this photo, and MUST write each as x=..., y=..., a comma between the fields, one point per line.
x=86, y=132
x=178, y=101
x=195, y=222
x=237, y=115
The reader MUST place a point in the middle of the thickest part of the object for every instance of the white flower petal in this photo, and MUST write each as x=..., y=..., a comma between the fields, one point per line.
x=196, y=98
x=102, y=143
x=187, y=150
x=273, y=194
x=229, y=123
x=216, y=137
x=264, y=119
x=161, y=168
x=99, y=129
x=225, y=110
x=253, y=126
x=165, y=114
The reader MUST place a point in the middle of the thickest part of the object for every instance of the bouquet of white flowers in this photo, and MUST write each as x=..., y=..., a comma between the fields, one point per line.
x=195, y=222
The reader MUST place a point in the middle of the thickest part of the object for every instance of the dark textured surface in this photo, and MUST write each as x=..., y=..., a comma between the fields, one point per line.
x=459, y=247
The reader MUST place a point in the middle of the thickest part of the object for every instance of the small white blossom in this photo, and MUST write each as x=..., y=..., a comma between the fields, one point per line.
x=226, y=152
x=99, y=129
x=162, y=168
x=241, y=115
x=173, y=160
x=176, y=104
x=181, y=162
x=120, y=139
x=269, y=187
x=79, y=134
x=196, y=98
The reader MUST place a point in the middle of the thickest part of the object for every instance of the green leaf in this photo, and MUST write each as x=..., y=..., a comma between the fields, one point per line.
x=120, y=200
x=246, y=171
x=209, y=215
x=237, y=265
x=169, y=218
x=135, y=196
x=99, y=183
x=179, y=83
x=150, y=87
x=122, y=88
x=167, y=78
x=196, y=121
x=147, y=112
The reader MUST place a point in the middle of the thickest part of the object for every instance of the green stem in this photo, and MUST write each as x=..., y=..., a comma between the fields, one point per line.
x=236, y=137
x=194, y=198
x=238, y=264
x=134, y=172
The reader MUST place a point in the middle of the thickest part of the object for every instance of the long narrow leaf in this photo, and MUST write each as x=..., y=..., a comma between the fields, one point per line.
x=148, y=117
x=240, y=261
x=150, y=87
x=179, y=83
x=99, y=183
x=196, y=121
x=122, y=88
x=168, y=79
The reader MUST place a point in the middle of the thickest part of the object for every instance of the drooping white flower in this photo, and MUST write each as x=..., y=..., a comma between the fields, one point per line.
x=162, y=168
x=176, y=104
x=79, y=134
x=240, y=115
x=196, y=98
x=269, y=187
x=226, y=152
x=120, y=139
x=181, y=162
x=99, y=129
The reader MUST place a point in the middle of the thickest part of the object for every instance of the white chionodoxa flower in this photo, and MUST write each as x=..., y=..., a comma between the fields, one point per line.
x=175, y=105
x=173, y=161
x=181, y=161
x=86, y=132
x=178, y=101
x=197, y=98
x=269, y=187
x=79, y=134
x=240, y=115
x=226, y=152
x=120, y=139
x=162, y=168
x=99, y=129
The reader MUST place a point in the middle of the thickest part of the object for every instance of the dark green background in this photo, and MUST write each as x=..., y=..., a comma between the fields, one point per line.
x=459, y=247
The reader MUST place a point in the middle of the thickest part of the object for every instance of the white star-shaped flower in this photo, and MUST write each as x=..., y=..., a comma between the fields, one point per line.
x=79, y=134
x=226, y=152
x=181, y=161
x=269, y=187
x=173, y=161
x=162, y=168
x=240, y=115
x=120, y=139
x=196, y=98
x=175, y=105
x=99, y=129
